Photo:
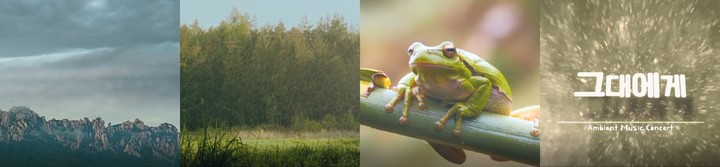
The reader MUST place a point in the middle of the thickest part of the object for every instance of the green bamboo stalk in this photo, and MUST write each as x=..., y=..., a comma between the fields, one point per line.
x=492, y=134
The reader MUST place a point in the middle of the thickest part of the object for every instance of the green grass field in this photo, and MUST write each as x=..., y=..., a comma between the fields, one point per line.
x=244, y=148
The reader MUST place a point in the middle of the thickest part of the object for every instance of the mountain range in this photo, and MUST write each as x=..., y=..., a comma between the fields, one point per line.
x=28, y=139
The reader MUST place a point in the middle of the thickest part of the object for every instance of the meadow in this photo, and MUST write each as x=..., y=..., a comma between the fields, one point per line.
x=270, y=148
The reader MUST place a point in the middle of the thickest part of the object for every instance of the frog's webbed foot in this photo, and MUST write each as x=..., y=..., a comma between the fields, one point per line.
x=439, y=125
x=456, y=131
x=460, y=110
x=474, y=104
x=400, y=95
x=405, y=93
x=403, y=120
x=409, y=93
x=389, y=108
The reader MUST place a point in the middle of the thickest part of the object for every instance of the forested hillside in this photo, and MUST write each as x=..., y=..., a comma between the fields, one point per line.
x=239, y=74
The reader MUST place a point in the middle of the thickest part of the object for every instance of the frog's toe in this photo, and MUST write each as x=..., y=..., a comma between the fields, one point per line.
x=439, y=125
x=535, y=132
x=456, y=132
x=389, y=108
x=403, y=121
x=422, y=106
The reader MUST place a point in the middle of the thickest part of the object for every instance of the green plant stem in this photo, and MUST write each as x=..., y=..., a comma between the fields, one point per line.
x=493, y=134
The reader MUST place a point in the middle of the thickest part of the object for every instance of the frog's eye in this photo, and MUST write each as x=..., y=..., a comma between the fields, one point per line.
x=449, y=51
x=412, y=47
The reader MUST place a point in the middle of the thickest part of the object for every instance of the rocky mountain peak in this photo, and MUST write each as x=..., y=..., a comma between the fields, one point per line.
x=22, y=125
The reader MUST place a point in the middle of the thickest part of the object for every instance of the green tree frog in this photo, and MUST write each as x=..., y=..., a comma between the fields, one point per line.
x=456, y=77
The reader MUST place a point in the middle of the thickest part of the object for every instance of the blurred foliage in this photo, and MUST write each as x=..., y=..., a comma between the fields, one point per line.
x=240, y=74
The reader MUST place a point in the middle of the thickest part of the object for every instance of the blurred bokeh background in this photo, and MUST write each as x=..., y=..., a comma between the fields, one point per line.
x=503, y=32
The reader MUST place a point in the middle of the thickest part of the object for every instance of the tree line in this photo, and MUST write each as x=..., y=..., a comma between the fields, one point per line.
x=237, y=74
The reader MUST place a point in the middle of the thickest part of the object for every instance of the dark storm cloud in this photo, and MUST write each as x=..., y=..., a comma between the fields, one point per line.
x=118, y=60
x=60, y=24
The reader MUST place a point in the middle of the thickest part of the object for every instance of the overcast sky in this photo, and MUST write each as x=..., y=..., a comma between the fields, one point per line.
x=118, y=60
x=210, y=13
